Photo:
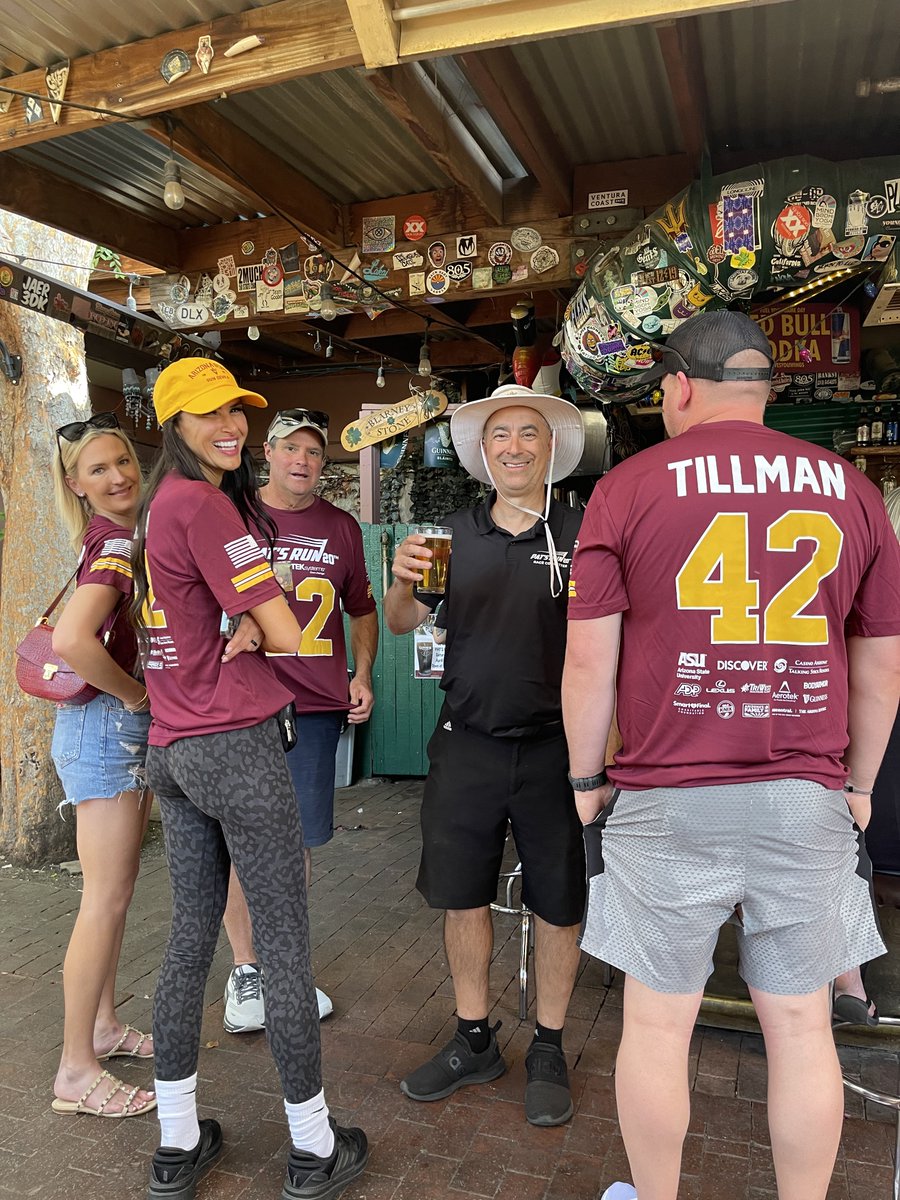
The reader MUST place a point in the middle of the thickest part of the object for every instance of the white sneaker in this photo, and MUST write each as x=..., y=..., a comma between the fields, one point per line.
x=619, y=1191
x=326, y=1008
x=245, y=1002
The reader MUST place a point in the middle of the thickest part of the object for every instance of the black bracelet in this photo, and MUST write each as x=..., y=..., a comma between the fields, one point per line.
x=588, y=783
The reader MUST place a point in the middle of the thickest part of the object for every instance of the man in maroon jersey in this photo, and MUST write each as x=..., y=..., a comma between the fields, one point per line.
x=737, y=593
x=318, y=559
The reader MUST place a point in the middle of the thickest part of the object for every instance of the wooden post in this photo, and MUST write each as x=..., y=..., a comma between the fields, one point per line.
x=37, y=557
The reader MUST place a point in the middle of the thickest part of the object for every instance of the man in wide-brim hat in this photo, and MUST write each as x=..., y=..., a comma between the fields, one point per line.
x=498, y=754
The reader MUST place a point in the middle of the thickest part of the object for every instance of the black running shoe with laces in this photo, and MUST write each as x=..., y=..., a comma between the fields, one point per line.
x=309, y=1177
x=456, y=1066
x=174, y=1173
x=548, y=1100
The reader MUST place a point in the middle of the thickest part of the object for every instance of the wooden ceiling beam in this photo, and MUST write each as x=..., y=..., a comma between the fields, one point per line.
x=530, y=20
x=222, y=150
x=507, y=96
x=650, y=182
x=54, y=201
x=411, y=99
x=377, y=32
x=300, y=37
x=680, y=47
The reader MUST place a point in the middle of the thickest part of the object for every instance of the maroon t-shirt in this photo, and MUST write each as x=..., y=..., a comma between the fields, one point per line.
x=106, y=559
x=201, y=560
x=320, y=564
x=739, y=558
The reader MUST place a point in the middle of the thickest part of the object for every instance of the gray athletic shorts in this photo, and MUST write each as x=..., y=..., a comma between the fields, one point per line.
x=667, y=868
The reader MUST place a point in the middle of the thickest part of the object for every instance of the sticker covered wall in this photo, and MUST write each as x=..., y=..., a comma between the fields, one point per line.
x=799, y=222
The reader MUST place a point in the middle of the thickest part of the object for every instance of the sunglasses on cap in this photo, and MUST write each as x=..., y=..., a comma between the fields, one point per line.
x=75, y=430
x=304, y=416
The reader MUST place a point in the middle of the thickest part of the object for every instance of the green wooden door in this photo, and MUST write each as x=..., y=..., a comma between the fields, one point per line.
x=406, y=708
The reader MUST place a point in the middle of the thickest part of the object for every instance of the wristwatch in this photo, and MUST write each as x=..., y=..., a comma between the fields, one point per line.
x=588, y=783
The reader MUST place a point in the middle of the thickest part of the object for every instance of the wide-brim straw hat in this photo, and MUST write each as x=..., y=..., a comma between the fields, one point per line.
x=468, y=422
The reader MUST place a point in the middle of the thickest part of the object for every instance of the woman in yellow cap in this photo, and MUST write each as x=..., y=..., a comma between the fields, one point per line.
x=216, y=763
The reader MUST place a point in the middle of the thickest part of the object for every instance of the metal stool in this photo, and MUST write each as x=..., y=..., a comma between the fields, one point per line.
x=889, y=1102
x=527, y=933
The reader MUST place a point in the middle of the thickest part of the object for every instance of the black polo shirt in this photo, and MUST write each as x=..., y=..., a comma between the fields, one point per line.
x=506, y=635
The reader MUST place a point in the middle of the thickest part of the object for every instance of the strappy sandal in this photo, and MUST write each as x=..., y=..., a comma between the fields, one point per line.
x=135, y=1052
x=129, y=1109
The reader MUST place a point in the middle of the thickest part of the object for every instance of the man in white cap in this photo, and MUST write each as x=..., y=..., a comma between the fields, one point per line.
x=498, y=754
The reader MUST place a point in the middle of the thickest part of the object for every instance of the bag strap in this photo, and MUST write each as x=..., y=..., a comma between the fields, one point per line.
x=62, y=592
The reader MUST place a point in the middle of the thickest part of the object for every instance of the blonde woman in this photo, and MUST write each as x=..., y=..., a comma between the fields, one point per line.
x=98, y=751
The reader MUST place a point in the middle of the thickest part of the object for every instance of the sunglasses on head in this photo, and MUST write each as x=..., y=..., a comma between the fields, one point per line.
x=75, y=430
x=305, y=416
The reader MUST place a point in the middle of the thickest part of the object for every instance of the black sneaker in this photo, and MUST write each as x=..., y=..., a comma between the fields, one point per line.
x=174, y=1173
x=548, y=1100
x=456, y=1066
x=309, y=1177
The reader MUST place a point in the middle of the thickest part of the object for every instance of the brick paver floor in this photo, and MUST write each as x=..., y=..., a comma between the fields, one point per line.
x=378, y=953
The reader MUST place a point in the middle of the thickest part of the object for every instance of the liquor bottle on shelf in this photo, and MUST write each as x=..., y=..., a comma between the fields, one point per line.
x=891, y=426
x=860, y=463
x=888, y=480
x=862, y=428
x=876, y=428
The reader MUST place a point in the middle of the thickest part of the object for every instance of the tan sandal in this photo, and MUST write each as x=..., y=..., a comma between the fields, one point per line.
x=71, y=1107
x=135, y=1052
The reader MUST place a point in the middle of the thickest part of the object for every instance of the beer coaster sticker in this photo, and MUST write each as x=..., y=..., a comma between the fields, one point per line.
x=204, y=53
x=414, y=228
x=519, y=273
x=220, y=283
x=437, y=254
x=378, y=235
x=467, y=246
x=406, y=259
x=742, y=281
x=269, y=299
x=545, y=258
x=175, y=64
x=272, y=274
x=482, y=278
x=437, y=282
x=460, y=270
x=651, y=324
x=501, y=274
x=247, y=248
x=525, y=239
x=417, y=283
x=500, y=254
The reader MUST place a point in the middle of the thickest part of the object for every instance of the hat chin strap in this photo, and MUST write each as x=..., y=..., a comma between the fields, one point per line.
x=556, y=580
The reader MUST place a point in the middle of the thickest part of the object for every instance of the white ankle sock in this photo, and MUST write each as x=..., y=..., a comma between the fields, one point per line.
x=176, y=1107
x=310, y=1130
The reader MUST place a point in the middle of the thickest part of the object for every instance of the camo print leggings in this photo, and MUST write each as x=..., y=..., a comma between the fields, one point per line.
x=229, y=797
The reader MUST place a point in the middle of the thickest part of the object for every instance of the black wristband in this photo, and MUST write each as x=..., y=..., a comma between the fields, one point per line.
x=855, y=791
x=588, y=783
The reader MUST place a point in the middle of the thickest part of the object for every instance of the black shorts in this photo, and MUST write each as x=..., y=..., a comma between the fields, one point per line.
x=477, y=785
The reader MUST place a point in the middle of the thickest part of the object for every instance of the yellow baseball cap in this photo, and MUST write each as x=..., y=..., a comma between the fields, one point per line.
x=198, y=385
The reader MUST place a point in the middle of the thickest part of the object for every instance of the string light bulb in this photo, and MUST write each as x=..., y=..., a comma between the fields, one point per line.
x=424, y=368
x=379, y=377
x=130, y=302
x=253, y=333
x=329, y=349
x=173, y=192
x=329, y=308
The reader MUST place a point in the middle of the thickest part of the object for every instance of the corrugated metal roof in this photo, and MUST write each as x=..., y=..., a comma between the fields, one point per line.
x=333, y=129
x=785, y=73
x=125, y=166
x=605, y=94
x=43, y=31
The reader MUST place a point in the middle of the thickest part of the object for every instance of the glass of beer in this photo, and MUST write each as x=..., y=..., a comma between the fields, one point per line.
x=437, y=540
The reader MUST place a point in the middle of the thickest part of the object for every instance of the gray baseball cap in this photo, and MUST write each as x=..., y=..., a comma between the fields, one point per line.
x=702, y=345
x=289, y=420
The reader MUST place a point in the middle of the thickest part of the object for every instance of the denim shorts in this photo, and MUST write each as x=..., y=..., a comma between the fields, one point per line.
x=99, y=749
x=312, y=767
